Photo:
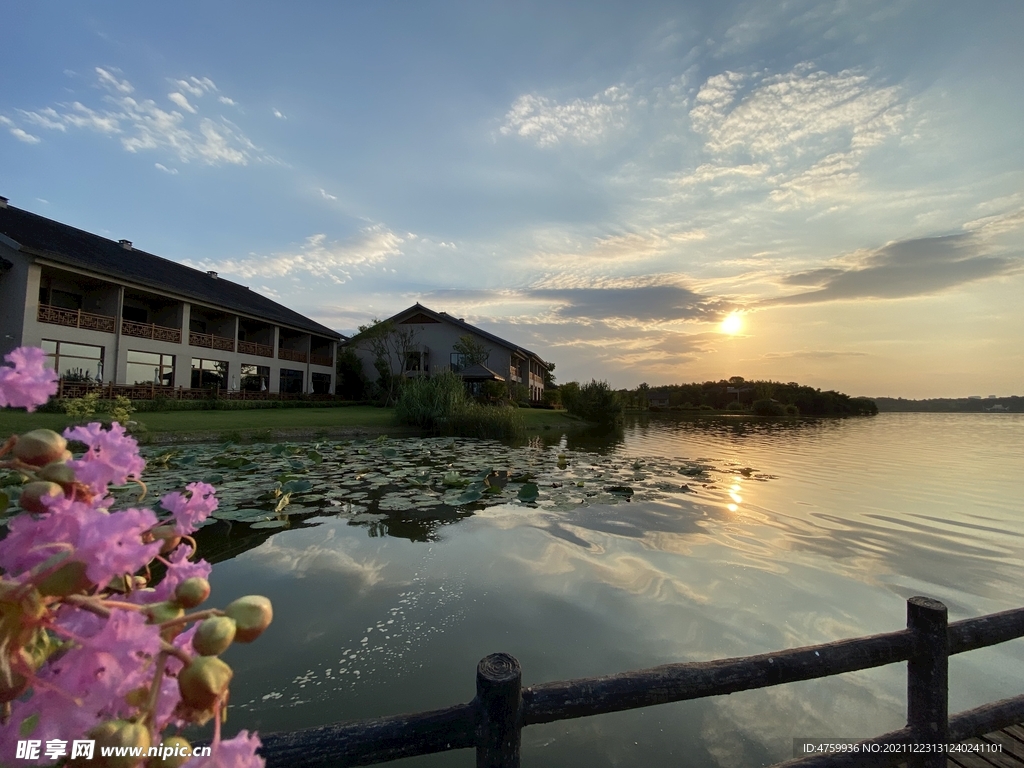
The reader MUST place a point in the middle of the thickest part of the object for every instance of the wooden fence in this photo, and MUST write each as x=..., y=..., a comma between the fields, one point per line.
x=492, y=722
x=71, y=389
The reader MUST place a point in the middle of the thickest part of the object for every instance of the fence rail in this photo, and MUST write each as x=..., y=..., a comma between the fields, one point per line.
x=210, y=341
x=493, y=721
x=151, y=331
x=291, y=354
x=252, y=348
x=71, y=389
x=75, y=318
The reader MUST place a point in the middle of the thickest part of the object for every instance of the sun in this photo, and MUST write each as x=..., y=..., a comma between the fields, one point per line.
x=732, y=324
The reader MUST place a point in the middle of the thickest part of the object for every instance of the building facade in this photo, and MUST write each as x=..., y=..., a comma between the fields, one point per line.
x=433, y=336
x=107, y=312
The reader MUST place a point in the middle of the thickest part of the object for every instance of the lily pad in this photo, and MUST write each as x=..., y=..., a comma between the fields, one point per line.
x=270, y=524
x=296, y=486
x=528, y=492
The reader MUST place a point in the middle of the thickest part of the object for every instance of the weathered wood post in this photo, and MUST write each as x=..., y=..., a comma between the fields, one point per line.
x=928, y=680
x=499, y=693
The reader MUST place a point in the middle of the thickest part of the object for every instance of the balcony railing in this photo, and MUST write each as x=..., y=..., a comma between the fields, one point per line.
x=252, y=348
x=325, y=360
x=75, y=318
x=210, y=341
x=151, y=331
x=291, y=354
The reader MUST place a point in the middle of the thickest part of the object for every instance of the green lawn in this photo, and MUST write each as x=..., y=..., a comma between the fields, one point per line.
x=246, y=423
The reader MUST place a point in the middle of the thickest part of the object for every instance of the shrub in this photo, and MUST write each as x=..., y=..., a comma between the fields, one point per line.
x=863, y=406
x=440, y=404
x=596, y=402
x=501, y=421
x=792, y=410
x=769, y=408
x=735, y=405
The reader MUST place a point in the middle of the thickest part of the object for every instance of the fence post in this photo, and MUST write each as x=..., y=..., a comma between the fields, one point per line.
x=928, y=680
x=499, y=693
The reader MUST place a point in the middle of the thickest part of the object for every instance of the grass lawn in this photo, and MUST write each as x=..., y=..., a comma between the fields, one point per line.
x=267, y=421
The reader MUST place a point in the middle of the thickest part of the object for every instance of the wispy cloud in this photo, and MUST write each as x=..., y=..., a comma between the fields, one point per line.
x=334, y=261
x=165, y=169
x=327, y=195
x=582, y=121
x=800, y=135
x=279, y=114
x=17, y=132
x=142, y=125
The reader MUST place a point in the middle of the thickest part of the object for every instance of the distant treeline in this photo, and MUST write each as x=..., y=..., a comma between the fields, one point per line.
x=950, y=404
x=740, y=394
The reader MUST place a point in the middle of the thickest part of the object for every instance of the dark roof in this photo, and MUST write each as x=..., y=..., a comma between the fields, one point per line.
x=478, y=372
x=445, y=317
x=65, y=244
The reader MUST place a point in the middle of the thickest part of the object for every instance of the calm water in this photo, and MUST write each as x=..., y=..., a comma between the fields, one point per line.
x=835, y=526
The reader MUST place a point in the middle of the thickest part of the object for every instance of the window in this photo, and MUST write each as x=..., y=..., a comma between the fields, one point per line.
x=321, y=383
x=291, y=382
x=209, y=373
x=413, y=362
x=74, y=362
x=255, y=378
x=458, y=361
x=146, y=367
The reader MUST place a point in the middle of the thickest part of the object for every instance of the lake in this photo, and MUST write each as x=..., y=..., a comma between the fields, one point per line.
x=785, y=534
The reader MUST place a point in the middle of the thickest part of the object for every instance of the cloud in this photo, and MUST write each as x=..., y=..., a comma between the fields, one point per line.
x=643, y=303
x=21, y=135
x=144, y=126
x=279, y=114
x=327, y=195
x=165, y=169
x=335, y=261
x=582, y=121
x=108, y=80
x=801, y=135
x=181, y=101
x=226, y=100
x=915, y=267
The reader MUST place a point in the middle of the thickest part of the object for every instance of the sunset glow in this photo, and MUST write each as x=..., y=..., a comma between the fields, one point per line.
x=733, y=324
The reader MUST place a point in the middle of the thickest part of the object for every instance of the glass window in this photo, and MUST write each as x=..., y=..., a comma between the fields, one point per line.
x=150, y=367
x=74, y=362
x=135, y=314
x=209, y=373
x=458, y=361
x=255, y=378
x=321, y=383
x=291, y=382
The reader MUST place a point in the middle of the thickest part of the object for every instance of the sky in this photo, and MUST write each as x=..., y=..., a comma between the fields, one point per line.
x=823, y=192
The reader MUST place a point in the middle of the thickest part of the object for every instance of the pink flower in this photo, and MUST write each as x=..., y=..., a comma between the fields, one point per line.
x=111, y=545
x=29, y=383
x=112, y=457
x=30, y=540
x=88, y=683
x=239, y=752
x=190, y=510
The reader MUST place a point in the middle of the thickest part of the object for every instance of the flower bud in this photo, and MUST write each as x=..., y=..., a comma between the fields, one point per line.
x=58, y=472
x=160, y=612
x=204, y=681
x=120, y=734
x=170, y=538
x=192, y=592
x=40, y=447
x=32, y=495
x=177, y=752
x=214, y=635
x=253, y=614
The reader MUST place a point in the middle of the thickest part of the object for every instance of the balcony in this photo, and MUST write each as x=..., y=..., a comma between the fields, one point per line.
x=291, y=354
x=325, y=360
x=75, y=318
x=210, y=341
x=252, y=348
x=151, y=331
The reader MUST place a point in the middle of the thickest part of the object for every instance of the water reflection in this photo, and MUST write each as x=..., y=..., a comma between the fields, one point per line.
x=737, y=538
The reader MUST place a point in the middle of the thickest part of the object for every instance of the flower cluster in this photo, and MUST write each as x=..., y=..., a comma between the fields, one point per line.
x=90, y=648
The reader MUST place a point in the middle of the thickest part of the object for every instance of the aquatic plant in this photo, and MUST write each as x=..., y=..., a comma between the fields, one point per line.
x=596, y=402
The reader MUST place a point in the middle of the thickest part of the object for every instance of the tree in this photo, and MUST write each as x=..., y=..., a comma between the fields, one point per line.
x=549, y=376
x=390, y=346
x=472, y=350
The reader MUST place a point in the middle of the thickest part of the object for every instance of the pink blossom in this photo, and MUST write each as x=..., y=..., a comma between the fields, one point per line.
x=192, y=509
x=88, y=683
x=239, y=752
x=29, y=383
x=111, y=545
x=113, y=456
x=30, y=540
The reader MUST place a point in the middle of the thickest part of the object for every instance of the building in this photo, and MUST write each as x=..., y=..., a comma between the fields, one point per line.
x=107, y=312
x=431, y=349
